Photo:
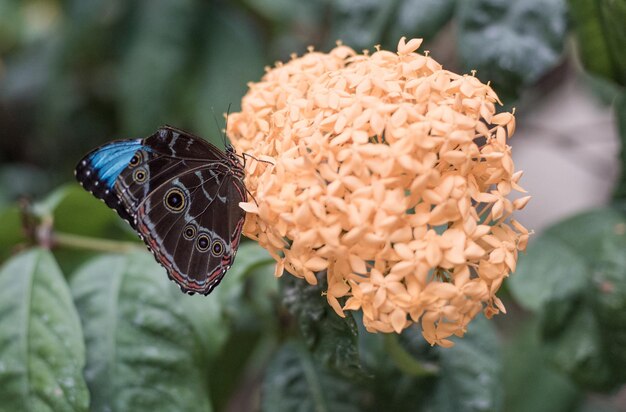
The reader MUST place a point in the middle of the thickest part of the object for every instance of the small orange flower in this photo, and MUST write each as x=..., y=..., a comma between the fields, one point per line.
x=392, y=175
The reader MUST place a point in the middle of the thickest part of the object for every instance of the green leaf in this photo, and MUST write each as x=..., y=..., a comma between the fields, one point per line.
x=587, y=232
x=619, y=195
x=253, y=264
x=531, y=383
x=609, y=300
x=248, y=297
x=147, y=343
x=249, y=279
x=511, y=43
x=42, y=354
x=466, y=377
x=558, y=312
x=538, y=279
x=11, y=234
x=558, y=263
x=144, y=335
x=419, y=19
x=332, y=339
x=48, y=205
x=295, y=381
x=410, y=352
x=577, y=271
x=78, y=212
x=471, y=371
x=232, y=57
x=579, y=351
x=232, y=365
x=613, y=17
x=388, y=383
x=601, y=34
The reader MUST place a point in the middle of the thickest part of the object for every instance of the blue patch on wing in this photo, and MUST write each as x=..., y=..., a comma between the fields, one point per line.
x=109, y=160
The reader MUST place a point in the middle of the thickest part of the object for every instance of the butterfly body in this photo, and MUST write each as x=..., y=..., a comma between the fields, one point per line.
x=181, y=194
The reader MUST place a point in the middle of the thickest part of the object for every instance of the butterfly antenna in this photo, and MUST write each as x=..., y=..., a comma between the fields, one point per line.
x=244, y=154
x=226, y=125
x=217, y=124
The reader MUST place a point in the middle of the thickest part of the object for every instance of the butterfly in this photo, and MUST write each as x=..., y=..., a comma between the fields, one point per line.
x=181, y=194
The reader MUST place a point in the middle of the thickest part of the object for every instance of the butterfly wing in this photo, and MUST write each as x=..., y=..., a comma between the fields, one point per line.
x=170, y=141
x=134, y=177
x=98, y=171
x=193, y=225
x=110, y=172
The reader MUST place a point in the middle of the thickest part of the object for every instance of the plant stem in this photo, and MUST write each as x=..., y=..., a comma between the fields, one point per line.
x=404, y=360
x=94, y=244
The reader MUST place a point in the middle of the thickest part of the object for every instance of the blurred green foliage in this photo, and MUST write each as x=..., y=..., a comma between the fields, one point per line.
x=511, y=43
x=582, y=303
x=601, y=36
x=74, y=74
x=82, y=330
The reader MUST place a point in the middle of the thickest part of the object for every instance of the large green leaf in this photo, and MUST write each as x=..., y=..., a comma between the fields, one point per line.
x=538, y=280
x=248, y=296
x=42, y=354
x=145, y=343
x=511, y=43
x=294, y=381
x=601, y=35
x=332, y=339
x=588, y=232
x=531, y=383
x=558, y=262
x=250, y=281
x=466, y=377
x=580, y=351
x=151, y=346
x=471, y=371
x=233, y=365
x=609, y=300
x=389, y=383
x=574, y=277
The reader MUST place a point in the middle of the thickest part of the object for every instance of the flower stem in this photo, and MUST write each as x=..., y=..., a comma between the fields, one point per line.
x=404, y=360
x=94, y=244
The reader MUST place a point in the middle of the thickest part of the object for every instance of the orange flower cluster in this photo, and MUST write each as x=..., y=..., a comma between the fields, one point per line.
x=390, y=174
